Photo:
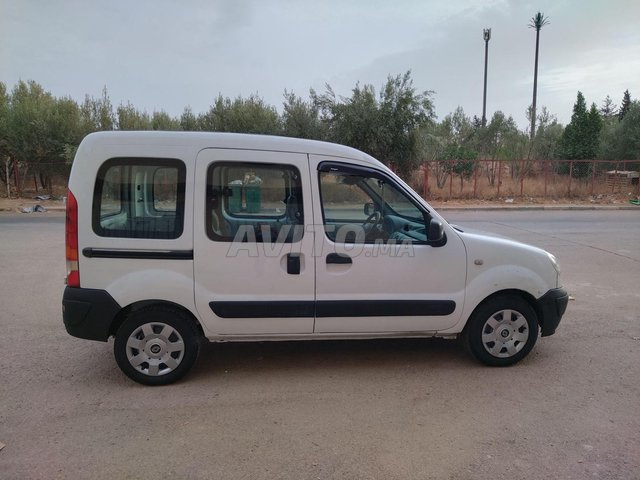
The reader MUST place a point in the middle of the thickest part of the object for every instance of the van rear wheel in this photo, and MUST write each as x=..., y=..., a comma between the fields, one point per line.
x=502, y=331
x=156, y=345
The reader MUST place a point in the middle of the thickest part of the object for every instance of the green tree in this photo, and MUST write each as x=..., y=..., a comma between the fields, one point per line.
x=41, y=133
x=501, y=140
x=629, y=145
x=188, y=121
x=460, y=160
x=97, y=113
x=624, y=106
x=580, y=139
x=548, y=134
x=163, y=121
x=608, y=109
x=620, y=140
x=454, y=139
x=353, y=121
x=5, y=159
x=301, y=119
x=403, y=111
x=66, y=131
x=242, y=115
x=28, y=130
x=385, y=126
x=130, y=118
x=537, y=22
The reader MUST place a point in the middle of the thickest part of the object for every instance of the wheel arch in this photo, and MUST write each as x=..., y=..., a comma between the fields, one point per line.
x=527, y=297
x=126, y=311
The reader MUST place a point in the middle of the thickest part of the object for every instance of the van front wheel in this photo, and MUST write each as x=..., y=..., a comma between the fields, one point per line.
x=156, y=345
x=502, y=331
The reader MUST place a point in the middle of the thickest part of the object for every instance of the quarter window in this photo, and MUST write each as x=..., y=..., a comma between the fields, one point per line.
x=139, y=198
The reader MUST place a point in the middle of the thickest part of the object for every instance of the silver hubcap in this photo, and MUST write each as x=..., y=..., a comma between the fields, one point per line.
x=155, y=349
x=505, y=333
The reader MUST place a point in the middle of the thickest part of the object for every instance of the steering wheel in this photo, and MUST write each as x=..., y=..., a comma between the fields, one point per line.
x=371, y=223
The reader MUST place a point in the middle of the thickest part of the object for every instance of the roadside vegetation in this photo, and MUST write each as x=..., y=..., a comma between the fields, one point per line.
x=39, y=133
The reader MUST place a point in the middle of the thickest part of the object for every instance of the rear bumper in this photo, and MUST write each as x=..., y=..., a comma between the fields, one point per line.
x=552, y=305
x=88, y=313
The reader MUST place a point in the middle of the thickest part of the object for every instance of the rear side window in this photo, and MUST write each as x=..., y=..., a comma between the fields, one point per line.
x=139, y=198
x=254, y=202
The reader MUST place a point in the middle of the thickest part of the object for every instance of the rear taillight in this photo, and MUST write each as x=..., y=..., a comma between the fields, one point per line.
x=71, y=240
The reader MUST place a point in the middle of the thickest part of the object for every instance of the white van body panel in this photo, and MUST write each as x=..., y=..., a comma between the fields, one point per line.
x=130, y=281
x=498, y=264
x=443, y=273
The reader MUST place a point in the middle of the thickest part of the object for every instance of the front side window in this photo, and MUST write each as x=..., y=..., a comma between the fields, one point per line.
x=362, y=207
x=139, y=198
x=254, y=202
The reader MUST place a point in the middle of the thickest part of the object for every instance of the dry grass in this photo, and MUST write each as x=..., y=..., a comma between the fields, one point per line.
x=531, y=189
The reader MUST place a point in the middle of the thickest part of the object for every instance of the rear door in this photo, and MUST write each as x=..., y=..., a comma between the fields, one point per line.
x=253, y=265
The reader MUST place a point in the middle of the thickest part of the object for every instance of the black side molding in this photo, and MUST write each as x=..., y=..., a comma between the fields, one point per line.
x=276, y=309
x=384, y=308
x=333, y=308
x=138, y=254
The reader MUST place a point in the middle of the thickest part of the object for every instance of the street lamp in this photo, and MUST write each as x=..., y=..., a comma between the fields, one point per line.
x=487, y=36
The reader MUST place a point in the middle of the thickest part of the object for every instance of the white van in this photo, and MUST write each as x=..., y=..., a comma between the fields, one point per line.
x=173, y=237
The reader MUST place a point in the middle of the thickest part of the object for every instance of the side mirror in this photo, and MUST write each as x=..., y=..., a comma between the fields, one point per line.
x=435, y=234
x=369, y=208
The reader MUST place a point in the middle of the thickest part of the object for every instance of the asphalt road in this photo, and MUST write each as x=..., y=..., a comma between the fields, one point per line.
x=401, y=409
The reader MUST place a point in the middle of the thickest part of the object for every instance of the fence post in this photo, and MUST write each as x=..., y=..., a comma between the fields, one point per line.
x=451, y=184
x=16, y=175
x=7, y=173
x=593, y=175
x=425, y=186
x=521, y=178
x=546, y=174
x=570, y=175
x=499, y=176
x=475, y=180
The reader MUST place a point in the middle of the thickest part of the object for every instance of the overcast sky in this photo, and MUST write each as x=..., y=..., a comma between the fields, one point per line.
x=161, y=54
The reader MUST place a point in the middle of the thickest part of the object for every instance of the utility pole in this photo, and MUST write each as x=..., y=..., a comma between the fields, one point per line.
x=487, y=36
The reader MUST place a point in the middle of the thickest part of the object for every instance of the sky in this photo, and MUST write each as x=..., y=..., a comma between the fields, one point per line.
x=165, y=55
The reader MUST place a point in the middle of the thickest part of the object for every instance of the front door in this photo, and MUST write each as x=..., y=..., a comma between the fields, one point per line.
x=254, y=270
x=376, y=270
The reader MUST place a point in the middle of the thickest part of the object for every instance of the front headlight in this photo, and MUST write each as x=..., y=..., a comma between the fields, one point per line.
x=554, y=262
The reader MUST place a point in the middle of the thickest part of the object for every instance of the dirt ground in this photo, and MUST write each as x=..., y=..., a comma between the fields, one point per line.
x=397, y=409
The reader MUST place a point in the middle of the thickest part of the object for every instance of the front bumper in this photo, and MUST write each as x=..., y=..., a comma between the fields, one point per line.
x=552, y=305
x=88, y=313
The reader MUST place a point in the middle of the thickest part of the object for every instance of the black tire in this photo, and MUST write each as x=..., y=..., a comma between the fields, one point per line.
x=502, y=331
x=156, y=345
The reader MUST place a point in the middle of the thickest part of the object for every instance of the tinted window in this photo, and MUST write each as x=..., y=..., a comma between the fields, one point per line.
x=368, y=208
x=254, y=202
x=139, y=198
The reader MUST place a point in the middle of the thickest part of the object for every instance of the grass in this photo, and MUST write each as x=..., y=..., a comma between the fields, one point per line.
x=532, y=188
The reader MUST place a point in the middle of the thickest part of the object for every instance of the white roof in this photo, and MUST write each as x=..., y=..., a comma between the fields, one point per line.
x=202, y=140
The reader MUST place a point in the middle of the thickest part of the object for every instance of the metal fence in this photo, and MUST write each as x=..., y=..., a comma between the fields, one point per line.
x=493, y=179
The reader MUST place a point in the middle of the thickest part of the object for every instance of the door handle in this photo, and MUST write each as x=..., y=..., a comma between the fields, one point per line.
x=339, y=258
x=293, y=264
